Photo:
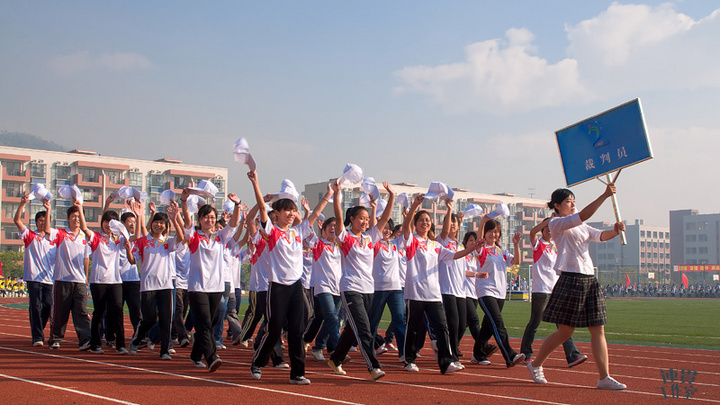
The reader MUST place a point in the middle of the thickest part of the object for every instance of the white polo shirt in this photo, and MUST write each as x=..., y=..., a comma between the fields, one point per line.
x=495, y=261
x=327, y=266
x=572, y=237
x=285, y=252
x=259, y=264
x=544, y=276
x=105, y=266
x=39, y=259
x=386, y=266
x=71, y=254
x=452, y=275
x=422, y=282
x=157, y=262
x=206, y=259
x=357, y=260
x=182, y=266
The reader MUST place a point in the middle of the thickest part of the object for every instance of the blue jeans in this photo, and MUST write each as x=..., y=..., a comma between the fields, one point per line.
x=396, y=304
x=329, y=334
x=222, y=311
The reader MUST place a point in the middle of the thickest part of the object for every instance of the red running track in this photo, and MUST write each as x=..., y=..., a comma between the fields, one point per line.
x=30, y=375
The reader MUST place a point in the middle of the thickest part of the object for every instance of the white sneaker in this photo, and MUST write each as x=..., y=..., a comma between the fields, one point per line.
x=517, y=359
x=300, y=380
x=412, y=367
x=609, y=383
x=380, y=350
x=376, y=374
x=457, y=363
x=353, y=349
x=317, y=355
x=452, y=368
x=485, y=362
x=537, y=373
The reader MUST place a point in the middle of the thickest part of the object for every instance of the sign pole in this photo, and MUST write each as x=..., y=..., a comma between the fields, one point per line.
x=623, y=239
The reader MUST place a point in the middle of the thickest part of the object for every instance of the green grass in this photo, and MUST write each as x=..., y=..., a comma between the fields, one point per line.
x=660, y=322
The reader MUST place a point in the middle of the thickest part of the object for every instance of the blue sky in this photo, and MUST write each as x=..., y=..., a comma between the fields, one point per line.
x=465, y=92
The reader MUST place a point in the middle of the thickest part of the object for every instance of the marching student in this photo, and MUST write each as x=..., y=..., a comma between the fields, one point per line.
x=492, y=290
x=543, y=281
x=105, y=280
x=70, y=275
x=38, y=266
x=205, y=282
x=452, y=279
x=356, y=285
x=388, y=287
x=327, y=270
x=157, y=266
x=422, y=287
x=577, y=300
x=286, y=299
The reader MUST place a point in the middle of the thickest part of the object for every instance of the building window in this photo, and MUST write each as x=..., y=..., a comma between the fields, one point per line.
x=691, y=250
x=62, y=172
x=642, y=234
x=13, y=168
x=37, y=169
x=115, y=177
x=135, y=179
x=703, y=238
x=690, y=238
x=13, y=189
x=157, y=180
x=89, y=175
x=92, y=214
x=642, y=255
x=655, y=245
x=667, y=245
x=10, y=209
x=703, y=250
x=642, y=244
x=667, y=255
x=702, y=226
x=611, y=256
x=220, y=184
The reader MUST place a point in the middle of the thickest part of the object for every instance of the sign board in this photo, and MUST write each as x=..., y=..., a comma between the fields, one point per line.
x=698, y=267
x=604, y=143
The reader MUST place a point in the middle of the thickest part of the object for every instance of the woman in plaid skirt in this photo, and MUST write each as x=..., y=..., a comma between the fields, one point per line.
x=577, y=300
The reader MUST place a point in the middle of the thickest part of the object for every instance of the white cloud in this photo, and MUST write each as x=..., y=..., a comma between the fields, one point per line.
x=66, y=65
x=497, y=76
x=622, y=51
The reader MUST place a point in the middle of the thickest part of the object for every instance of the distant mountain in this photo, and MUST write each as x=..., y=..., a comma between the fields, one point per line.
x=23, y=140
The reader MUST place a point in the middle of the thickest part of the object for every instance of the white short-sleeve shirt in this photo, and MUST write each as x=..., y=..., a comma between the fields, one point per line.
x=105, y=266
x=422, y=281
x=39, y=261
x=327, y=267
x=285, y=252
x=495, y=261
x=572, y=237
x=72, y=251
x=357, y=260
x=452, y=275
x=206, y=259
x=544, y=276
x=157, y=262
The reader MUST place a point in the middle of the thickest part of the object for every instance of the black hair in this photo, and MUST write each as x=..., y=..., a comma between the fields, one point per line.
x=72, y=210
x=327, y=223
x=163, y=217
x=284, y=204
x=397, y=228
x=490, y=225
x=391, y=224
x=221, y=222
x=558, y=196
x=431, y=231
x=126, y=215
x=40, y=214
x=468, y=235
x=353, y=212
x=205, y=210
x=108, y=216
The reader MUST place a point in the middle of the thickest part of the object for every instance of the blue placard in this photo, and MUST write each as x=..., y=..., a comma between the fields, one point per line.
x=604, y=143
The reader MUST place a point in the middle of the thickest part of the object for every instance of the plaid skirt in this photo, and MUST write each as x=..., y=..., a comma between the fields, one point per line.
x=576, y=301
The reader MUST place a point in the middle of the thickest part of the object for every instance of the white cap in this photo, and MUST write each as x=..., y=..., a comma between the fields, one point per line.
x=118, y=228
x=403, y=199
x=167, y=197
x=352, y=174
x=500, y=210
x=242, y=154
x=140, y=196
x=71, y=192
x=287, y=190
x=123, y=193
x=205, y=188
x=381, y=205
x=194, y=202
x=473, y=211
x=39, y=192
x=370, y=188
x=229, y=206
x=438, y=191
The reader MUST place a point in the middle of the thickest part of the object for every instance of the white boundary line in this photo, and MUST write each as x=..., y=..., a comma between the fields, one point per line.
x=276, y=391
x=68, y=390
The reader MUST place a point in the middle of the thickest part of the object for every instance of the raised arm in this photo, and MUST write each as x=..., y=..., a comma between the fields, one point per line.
x=411, y=212
x=235, y=218
x=320, y=205
x=173, y=214
x=588, y=211
x=46, y=204
x=448, y=220
x=306, y=207
x=83, y=224
x=537, y=229
x=516, y=245
x=337, y=207
x=153, y=210
x=373, y=214
x=18, y=221
x=185, y=211
x=252, y=175
x=108, y=201
x=388, y=208
x=140, y=229
x=250, y=220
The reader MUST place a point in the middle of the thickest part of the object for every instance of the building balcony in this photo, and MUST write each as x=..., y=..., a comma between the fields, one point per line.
x=21, y=176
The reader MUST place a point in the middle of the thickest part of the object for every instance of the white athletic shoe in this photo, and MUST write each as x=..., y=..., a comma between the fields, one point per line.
x=452, y=368
x=412, y=367
x=537, y=373
x=317, y=355
x=609, y=383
